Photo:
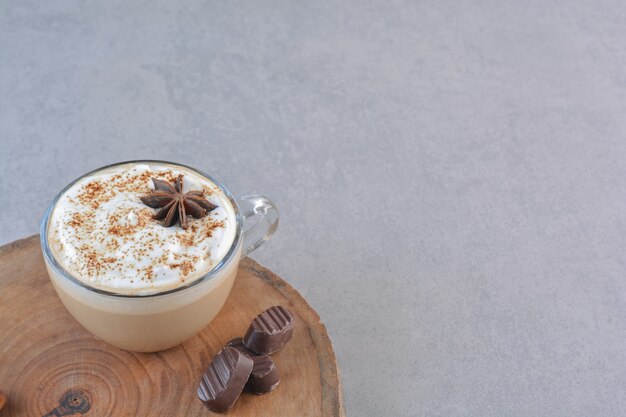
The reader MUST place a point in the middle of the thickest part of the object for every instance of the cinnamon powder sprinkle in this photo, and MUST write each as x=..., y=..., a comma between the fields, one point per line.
x=210, y=227
x=76, y=221
x=186, y=239
x=125, y=236
x=149, y=273
x=186, y=267
x=112, y=244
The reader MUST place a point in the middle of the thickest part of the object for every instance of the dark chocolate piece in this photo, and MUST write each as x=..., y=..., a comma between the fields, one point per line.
x=270, y=330
x=224, y=379
x=237, y=343
x=264, y=377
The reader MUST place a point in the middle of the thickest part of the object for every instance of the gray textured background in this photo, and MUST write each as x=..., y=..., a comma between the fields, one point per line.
x=451, y=175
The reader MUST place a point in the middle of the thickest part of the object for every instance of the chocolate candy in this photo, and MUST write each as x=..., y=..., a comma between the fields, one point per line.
x=224, y=379
x=237, y=343
x=269, y=331
x=245, y=362
x=264, y=376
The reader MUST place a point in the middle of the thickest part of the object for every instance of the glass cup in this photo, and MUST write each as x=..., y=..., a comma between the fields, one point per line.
x=155, y=322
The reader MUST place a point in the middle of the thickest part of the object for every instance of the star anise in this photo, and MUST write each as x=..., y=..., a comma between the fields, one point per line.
x=176, y=206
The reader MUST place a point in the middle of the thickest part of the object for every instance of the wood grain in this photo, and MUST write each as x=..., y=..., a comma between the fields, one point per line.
x=51, y=366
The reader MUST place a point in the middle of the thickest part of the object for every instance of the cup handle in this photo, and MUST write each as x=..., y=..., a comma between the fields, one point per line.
x=260, y=220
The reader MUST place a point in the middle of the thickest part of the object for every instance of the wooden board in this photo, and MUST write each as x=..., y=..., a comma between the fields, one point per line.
x=46, y=355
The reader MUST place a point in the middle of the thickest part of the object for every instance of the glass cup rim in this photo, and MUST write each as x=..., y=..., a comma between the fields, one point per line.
x=52, y=261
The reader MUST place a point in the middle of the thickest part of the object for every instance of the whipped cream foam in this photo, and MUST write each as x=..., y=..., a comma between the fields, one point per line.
x=103, y=234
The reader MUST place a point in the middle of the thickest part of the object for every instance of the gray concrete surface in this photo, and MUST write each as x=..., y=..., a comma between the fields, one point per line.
x=451, y=175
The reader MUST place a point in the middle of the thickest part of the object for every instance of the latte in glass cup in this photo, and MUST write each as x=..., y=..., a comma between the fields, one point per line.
x=144, y=254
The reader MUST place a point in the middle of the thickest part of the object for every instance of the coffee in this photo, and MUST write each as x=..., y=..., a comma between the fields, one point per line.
x=104, y=235
x=124, y=266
